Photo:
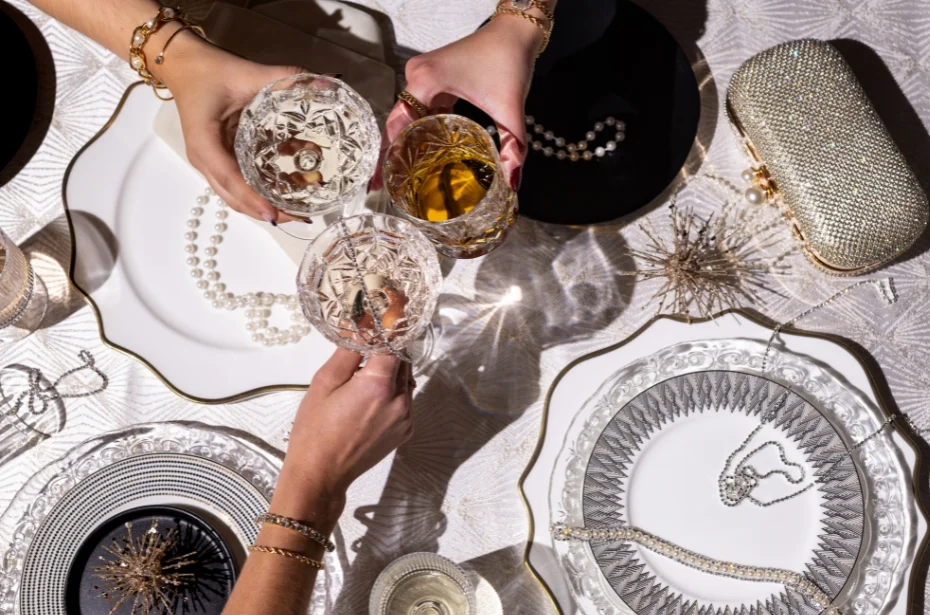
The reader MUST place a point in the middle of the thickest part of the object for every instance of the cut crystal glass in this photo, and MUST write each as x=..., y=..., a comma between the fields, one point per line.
x=308, y=144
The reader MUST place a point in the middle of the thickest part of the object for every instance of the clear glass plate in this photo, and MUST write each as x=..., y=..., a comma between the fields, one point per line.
x=218, y=475
x=647, y=450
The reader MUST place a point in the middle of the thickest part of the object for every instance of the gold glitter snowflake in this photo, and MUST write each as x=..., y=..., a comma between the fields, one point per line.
x=709, y=264
x=145, y=570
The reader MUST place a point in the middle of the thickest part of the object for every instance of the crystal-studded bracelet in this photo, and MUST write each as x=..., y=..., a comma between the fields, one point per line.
x=140, y=37
x=297, y=526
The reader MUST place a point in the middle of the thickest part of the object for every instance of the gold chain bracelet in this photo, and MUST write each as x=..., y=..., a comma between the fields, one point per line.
x=140, y=37
x=296, y=526
x=294, y=555
x=539, y=23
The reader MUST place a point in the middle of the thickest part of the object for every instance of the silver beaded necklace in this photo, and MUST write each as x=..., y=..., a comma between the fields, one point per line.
x=737, y=485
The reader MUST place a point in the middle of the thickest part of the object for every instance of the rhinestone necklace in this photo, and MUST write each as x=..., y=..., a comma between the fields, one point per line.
x=578, y=150
x=793, y=580
x=257, y=305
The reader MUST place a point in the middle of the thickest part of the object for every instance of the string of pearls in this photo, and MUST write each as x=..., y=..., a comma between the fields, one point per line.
x=579, y=150
x=257, y=305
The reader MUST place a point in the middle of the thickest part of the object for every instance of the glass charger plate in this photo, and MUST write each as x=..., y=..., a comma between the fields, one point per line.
x=221, y=478
x=128, y=196
x=648, y=446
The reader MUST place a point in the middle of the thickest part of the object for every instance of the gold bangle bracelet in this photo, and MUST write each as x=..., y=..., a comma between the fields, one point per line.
x=303, y=559
x=546, y=29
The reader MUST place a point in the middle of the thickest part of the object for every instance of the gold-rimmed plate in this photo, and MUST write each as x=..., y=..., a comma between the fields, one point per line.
x=576, y=587
x=128, y=197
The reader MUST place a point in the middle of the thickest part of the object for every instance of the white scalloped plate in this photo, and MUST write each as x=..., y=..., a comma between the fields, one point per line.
x=670, y=485
x=128, y=196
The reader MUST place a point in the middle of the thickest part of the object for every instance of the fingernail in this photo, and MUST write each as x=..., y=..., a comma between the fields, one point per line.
x=308, y=220
x=516, y=176
x=522, y=145
x=334, y=75
x=269, y=219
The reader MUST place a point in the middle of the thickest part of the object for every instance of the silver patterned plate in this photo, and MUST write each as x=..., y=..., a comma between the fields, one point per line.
x=650, y=446
x=219, y=476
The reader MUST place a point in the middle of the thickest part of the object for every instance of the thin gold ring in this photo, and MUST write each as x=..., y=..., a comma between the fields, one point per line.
x=411, y=100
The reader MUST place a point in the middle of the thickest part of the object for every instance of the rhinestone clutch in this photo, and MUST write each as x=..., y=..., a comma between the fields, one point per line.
x=825, y=158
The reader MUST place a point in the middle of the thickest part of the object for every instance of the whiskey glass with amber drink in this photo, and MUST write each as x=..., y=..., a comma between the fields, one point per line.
x=369, y=283
x=443, y=174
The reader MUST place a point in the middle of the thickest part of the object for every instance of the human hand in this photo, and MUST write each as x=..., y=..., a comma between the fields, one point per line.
x=211, y=87
x=491, y=69
x=346, y=423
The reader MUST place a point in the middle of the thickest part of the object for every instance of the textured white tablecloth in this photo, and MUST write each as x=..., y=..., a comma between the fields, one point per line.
x=453, y=487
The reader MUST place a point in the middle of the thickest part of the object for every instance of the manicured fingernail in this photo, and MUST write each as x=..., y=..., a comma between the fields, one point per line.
x=334, y=75
x=521, y=144
x=516, y=176
x=269, y=219
x=308, y=220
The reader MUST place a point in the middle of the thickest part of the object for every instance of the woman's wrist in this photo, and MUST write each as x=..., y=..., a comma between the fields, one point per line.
x=305, y=496
x=528, y=34
x=183, y=57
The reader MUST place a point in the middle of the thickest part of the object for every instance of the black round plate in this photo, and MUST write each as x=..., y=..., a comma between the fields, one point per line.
x=607, y=58
x=215, y=572
x=21, y=86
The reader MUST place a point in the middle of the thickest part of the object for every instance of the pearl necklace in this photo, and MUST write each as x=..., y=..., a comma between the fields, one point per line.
x=571, y=150
x=257, y=305
x=794, y=580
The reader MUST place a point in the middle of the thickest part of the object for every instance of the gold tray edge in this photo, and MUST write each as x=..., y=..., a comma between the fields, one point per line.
x=915, y=591
x=93, y=306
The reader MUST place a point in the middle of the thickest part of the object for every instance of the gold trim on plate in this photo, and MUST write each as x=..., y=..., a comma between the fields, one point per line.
x=921, y=476
x=109, y=343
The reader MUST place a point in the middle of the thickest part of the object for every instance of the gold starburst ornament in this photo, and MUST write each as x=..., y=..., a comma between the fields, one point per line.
x=708, y=263
x=145, y=570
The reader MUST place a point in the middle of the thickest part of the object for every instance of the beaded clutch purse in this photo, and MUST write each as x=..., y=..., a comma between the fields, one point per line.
x=825, y=158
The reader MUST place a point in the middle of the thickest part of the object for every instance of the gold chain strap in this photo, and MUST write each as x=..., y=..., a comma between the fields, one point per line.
x=539, y=23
